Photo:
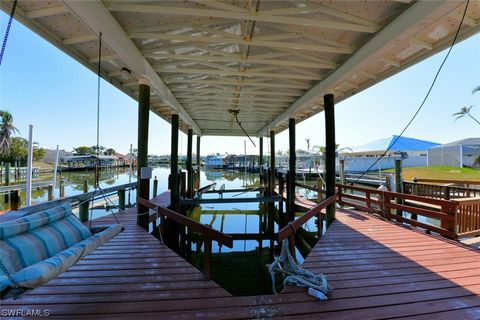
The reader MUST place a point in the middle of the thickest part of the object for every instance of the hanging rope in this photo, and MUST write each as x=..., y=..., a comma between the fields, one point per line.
x=295, y=275
x=7, y=31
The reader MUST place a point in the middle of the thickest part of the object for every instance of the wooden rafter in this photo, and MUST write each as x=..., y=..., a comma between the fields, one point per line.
x=158, y=9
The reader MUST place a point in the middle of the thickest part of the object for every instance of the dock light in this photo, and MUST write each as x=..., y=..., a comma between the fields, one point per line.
x=125, y=73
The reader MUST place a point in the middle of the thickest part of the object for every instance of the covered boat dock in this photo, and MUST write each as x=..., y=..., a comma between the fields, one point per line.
x=258, y=67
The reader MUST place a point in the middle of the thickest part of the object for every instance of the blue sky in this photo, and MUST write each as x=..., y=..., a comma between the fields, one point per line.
x=42, y=86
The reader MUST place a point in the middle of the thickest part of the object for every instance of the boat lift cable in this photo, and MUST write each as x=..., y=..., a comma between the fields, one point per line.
x=235, y=115
x=424, y=99
x=98, y=108
x=7, y=30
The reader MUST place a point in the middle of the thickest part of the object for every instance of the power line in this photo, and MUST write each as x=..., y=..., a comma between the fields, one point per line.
x=424, y=99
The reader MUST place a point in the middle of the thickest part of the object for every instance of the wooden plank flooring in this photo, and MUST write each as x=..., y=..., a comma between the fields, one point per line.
x=379, y=270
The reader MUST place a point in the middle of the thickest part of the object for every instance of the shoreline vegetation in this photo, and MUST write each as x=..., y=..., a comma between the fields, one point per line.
x=439, y=172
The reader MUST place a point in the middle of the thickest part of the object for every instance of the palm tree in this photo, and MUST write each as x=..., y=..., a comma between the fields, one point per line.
x=465, y=111
x=7, y=129
x=308, y=143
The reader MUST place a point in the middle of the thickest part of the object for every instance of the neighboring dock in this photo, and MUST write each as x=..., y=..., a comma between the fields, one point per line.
x=378, y=270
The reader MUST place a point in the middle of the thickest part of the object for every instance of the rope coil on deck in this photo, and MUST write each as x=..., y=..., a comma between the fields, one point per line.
x=295, y=275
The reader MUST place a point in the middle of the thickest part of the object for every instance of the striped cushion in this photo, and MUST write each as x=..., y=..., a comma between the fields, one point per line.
x=32, y=221
x=41, y=241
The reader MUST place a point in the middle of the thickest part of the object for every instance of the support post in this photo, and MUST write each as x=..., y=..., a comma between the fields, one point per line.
x=174, y=195
x=319, y=188
x=143, y=183
x=291, y=169
x=398, y=183
x=14, y=200
x=281, y=189
x=83, y=208
x=62, y=188
x=155, y=186
x=189, y=165
x=343, y=178
x=260, y=156
x=121, y=199
x=330, y=147
x=272, y=164
x=7, y=173
x=199, y=164
x=50, y=193
x=29, y=166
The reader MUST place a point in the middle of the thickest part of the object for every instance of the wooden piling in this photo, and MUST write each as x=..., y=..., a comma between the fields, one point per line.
x=272, y=164
x=121, y=199
x=155, y=186
x=189, y=164
x=260, y=156
x=174, y=192
x=50, y=192
x=291, y=170
x=199, y=164
x=330, y=155
x=7, y=173
x=83, y=208
x=143, y=185
x=62, y=188
x=14, y=200
x=398, y=183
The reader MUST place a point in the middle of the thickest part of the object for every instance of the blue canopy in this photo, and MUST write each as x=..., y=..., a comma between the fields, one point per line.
x=402, y=144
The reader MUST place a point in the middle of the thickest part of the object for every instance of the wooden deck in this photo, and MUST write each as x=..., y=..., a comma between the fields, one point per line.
x=378, y=270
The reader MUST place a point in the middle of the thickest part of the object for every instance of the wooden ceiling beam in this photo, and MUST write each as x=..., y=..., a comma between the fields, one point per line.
x=245, y=73
x=252, y=59
x=247, y=83
x=240, y=41
x=242, y=16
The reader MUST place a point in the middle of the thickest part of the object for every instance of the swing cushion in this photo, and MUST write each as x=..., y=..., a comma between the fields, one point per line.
x=39, y=246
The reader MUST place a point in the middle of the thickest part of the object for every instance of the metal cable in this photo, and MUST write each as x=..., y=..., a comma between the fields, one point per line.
x=424, y=99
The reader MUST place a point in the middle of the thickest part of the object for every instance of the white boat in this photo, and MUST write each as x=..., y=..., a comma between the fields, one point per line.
x=214, y=162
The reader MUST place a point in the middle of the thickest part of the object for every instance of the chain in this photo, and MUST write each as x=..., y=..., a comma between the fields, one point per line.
x=7, y=31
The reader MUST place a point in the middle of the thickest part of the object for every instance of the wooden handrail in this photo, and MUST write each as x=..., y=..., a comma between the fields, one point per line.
x=446, y=208
x=474, y=182
x=206, y=188
x=289, y=230
x=146, y=203
x=207, y=232
x=311, y=188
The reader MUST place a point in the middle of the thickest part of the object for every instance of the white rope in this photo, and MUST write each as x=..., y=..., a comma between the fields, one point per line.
x=316, y=283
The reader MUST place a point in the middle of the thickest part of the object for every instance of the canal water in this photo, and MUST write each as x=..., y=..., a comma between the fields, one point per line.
x=241, y=270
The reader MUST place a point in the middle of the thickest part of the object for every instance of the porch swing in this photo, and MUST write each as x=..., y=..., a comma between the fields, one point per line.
x=38, y=246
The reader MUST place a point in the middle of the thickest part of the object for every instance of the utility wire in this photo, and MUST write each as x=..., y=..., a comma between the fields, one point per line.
x=424, y=99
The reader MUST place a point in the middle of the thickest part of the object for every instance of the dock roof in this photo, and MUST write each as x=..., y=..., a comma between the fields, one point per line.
x=270, y=60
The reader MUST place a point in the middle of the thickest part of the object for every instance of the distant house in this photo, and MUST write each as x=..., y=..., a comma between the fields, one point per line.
x=461, y=153
x=412, y=151
x=51, y=154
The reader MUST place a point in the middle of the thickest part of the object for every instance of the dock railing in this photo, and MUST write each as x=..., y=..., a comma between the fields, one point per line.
x=437, y=191
x=289, y=230
x=209, y=234
x=83, y=200
x=468, y=217
x=383, y=202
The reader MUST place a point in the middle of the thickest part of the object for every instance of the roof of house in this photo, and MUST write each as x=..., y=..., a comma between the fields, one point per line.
x=395, y=143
